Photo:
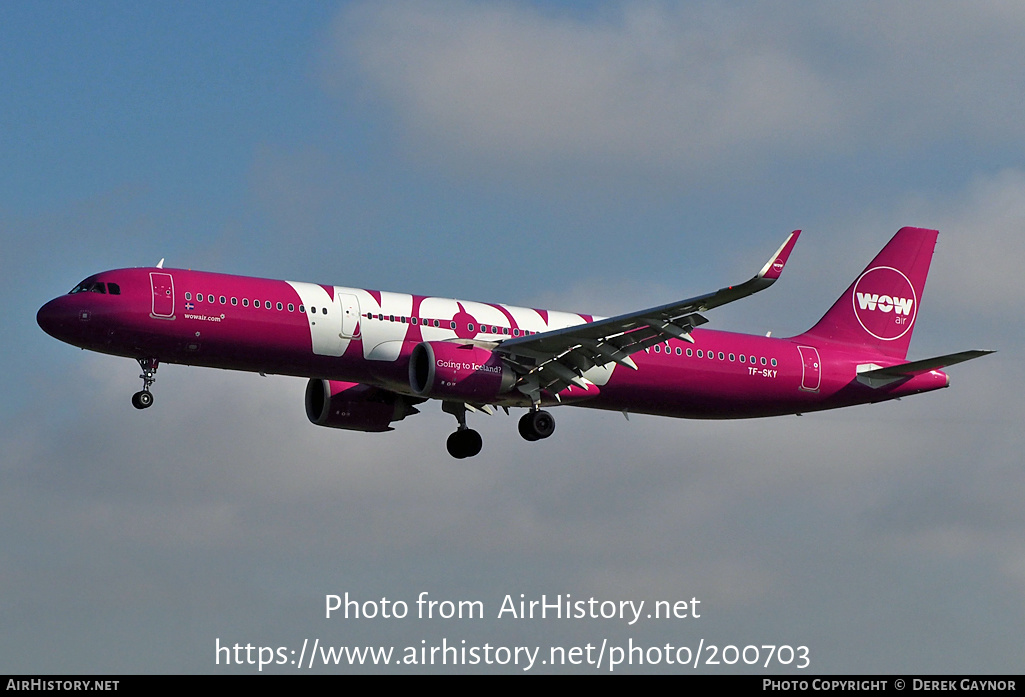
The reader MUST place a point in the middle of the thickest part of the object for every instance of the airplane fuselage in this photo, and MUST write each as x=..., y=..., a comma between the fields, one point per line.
x=360, y=336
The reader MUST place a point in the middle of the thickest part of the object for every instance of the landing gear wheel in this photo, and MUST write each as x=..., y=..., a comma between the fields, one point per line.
x=464, y=443
x=525, y=428
x=536, y=425
x=142, y=400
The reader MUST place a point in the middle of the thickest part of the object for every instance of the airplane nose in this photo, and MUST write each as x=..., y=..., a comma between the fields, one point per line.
x=46, y=318
x=55, y=317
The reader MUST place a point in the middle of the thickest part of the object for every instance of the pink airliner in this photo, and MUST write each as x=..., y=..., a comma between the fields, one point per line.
x=372, y=356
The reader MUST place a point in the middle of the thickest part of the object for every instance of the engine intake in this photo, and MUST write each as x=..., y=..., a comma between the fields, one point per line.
x=444, y=369
x=355, y=407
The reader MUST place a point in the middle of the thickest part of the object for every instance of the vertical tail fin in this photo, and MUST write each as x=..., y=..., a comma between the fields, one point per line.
x=879, y=309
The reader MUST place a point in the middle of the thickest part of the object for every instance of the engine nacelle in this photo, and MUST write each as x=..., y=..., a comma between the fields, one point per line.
x=353, y=406
x=444, y=369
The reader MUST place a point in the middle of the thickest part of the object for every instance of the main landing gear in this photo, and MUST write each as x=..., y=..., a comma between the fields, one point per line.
x=465, y=442
x=536, y=424
x=144, y=398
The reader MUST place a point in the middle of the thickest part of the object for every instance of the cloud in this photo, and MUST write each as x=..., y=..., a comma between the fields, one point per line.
x=685, y=88
x=652, y=83
x=978, y=261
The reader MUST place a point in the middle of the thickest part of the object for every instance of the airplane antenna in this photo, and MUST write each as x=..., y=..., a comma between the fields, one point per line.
x=160, y=264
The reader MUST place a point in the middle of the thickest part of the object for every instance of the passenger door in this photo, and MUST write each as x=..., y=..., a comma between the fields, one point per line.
x=162, y=286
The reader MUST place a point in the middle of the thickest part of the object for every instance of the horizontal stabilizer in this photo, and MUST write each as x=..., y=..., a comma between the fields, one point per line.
x=878, y=377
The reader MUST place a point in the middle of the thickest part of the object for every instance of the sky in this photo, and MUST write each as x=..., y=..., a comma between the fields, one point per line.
x=596, y=157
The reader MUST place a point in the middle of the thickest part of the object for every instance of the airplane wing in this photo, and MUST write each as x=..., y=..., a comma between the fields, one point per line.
x=554, y=360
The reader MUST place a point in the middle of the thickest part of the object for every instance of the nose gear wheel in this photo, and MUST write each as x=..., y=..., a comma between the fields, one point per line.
x=144, y=398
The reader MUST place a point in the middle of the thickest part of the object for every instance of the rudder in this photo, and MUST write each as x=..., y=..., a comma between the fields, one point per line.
x=878, y=310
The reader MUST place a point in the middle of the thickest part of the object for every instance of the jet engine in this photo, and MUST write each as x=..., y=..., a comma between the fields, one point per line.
x=448, y=370
x=353, y=406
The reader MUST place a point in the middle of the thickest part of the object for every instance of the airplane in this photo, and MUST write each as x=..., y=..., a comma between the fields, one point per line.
x=372, y=356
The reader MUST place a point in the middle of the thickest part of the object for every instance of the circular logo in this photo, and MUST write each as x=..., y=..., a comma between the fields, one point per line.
x=885, y=303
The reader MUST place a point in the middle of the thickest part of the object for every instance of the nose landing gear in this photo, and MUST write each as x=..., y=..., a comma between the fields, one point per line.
x=144, y=398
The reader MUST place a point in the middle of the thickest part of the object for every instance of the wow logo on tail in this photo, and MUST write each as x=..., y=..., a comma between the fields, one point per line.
x=885, y=303
x=877, y=311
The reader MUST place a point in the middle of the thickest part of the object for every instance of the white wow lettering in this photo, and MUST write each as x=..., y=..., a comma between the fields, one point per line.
x=885, y=303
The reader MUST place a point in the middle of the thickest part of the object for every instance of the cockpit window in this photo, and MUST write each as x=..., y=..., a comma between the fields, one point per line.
x=113, y=289
x=89, y=286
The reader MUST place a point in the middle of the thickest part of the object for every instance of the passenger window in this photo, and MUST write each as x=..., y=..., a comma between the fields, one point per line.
x=223, y=300
x=210, y=297
x=188, y=296
x=291, y=307
x=234, y=301
x=245, y=302
x=280, y=307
